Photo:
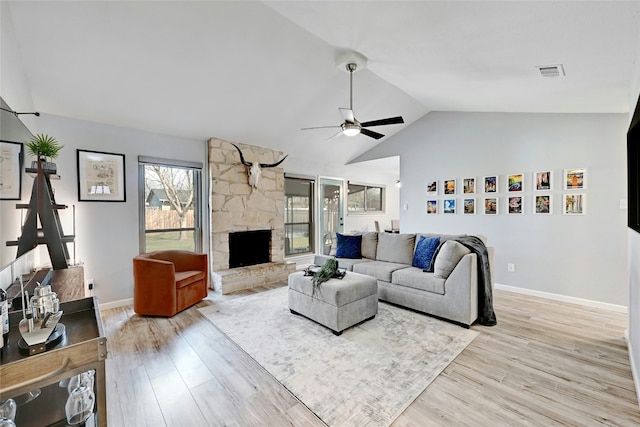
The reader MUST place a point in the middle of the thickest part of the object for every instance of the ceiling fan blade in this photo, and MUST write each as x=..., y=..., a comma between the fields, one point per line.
x=388, y=121
x=370, y=133
x=347, y=115
x=320, y=127
x=334, y=135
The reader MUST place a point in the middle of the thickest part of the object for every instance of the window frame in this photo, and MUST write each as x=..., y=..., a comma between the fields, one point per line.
x=367, y=186
x=197, y=169
x=311, y=224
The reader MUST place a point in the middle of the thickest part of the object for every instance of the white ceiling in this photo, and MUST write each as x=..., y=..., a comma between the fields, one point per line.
x=256, y=72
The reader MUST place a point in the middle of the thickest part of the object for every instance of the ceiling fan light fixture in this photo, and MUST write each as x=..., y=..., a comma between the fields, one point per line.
x=350, y=129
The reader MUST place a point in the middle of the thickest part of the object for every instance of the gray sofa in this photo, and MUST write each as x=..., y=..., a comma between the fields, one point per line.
x=450, y=291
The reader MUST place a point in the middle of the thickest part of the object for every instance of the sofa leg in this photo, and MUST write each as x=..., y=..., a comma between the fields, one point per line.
x=294, y=312
x=336, y=333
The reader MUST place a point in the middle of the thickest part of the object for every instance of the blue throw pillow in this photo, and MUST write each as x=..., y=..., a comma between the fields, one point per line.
x=348, y=246
x=424, y=252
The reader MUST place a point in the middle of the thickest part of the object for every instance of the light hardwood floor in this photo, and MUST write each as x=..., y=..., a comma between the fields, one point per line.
x=546, y=363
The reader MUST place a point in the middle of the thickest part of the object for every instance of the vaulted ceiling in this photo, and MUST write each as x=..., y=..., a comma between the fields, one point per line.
x=257, y=72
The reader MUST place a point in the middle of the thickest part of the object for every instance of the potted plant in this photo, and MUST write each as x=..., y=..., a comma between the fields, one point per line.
x=45, y=148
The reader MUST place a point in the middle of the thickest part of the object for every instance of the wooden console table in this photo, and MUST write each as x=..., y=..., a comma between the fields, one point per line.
x=84, y=348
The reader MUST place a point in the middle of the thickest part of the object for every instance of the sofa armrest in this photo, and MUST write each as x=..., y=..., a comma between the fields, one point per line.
x=461, y=287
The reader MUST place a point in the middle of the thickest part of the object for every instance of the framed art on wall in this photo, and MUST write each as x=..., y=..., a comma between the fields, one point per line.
x=575, y=179
x=514, y=204
x=449, y=206
x=101, y=177
x=10, y=170
x=432, y=207
x=575, y=204
x=469, y=186
x=515, y=182
x=432, y=187
x=491, y=184
x=469, y=206
x=449, y=186
x=491, y=206
x=542, y=204
x=543, y=180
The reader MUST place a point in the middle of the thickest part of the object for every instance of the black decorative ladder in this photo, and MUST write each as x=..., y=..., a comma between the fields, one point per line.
x=43, y=205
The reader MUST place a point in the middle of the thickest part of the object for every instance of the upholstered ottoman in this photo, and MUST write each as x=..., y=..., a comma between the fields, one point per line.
x=338, y=303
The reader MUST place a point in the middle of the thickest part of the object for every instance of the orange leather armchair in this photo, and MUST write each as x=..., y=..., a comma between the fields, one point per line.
x=167, y=282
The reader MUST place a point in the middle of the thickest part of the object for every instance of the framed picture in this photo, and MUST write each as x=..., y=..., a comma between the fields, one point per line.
x=449, y=206
x=101, y=177
x=575, y=179
x=449, y=186
x=432, y=207
x=432, y=187
x=515, y=182
x=469, y=206
x=469, y=185
x=491, y=206
x=542, y=204
x=491, y=184
x=575, y=204
x=10, y=170
x=514, y=205
x=543, y=180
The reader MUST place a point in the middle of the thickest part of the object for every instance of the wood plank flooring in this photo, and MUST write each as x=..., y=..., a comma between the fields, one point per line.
x=546, y=363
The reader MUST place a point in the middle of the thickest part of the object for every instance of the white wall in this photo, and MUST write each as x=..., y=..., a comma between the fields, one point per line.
x=575, y=256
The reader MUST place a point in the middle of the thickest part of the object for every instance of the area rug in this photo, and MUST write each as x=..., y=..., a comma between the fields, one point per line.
x=365, y=377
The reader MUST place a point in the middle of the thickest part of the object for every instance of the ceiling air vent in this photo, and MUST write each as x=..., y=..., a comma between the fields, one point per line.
x=551, y=70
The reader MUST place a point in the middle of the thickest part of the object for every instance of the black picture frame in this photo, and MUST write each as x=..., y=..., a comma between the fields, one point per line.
x=101, y=176
x=11, y=159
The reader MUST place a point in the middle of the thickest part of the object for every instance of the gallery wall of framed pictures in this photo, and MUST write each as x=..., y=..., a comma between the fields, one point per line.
x=515, y=193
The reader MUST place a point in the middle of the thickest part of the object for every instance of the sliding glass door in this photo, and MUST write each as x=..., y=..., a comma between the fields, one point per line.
x=331, y=218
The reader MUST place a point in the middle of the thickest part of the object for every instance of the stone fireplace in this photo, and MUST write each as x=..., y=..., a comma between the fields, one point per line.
x=237, y=208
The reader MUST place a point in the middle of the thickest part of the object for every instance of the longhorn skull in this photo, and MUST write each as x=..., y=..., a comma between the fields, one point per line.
x=255, y=168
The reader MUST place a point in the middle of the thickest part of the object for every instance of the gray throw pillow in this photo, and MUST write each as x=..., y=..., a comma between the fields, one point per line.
x=396, y=248
x=369, y=244
x=449, y=255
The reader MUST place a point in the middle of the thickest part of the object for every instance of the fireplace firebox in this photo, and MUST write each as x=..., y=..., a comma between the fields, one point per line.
x=249, y=248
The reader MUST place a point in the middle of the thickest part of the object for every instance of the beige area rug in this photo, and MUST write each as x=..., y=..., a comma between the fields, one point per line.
x=365, y=377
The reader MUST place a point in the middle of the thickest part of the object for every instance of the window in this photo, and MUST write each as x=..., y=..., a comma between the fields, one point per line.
x=365, y=198
x=298, y=211
x=169, y=204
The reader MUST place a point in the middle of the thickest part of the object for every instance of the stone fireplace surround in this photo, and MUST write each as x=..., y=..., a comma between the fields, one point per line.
x=236, y=207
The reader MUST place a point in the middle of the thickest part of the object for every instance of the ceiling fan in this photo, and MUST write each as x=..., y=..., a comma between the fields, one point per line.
x=351, y=126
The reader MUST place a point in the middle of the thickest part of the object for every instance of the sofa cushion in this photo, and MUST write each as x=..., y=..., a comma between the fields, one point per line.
x=349, y=246
x=414, y=277
x=378, y=269
x=449, y=255
x=369, y=244
x=184, y=278
x=346, y=263
x=396, y=248
x=425, y=249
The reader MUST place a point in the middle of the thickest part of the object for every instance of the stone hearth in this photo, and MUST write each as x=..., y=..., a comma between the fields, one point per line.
x=236, y=207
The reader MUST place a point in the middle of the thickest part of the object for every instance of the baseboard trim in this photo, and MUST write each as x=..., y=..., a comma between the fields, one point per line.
x=634, y=368
x=563, y=298
x=116, y=304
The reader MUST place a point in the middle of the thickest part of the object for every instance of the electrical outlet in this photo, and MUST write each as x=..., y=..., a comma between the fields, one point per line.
x=511, y=268
x=90, y=284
